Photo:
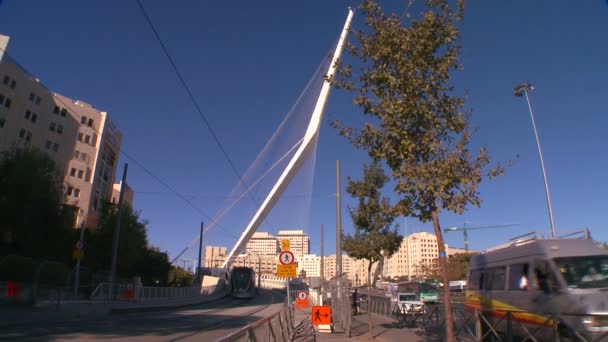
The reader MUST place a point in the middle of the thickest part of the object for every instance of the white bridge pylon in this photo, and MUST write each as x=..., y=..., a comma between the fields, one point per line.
x=299, y=157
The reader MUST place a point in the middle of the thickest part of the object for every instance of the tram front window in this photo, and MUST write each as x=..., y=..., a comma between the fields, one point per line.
x=588, y=272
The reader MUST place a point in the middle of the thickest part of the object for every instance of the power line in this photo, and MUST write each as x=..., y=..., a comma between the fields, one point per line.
x=193, y=100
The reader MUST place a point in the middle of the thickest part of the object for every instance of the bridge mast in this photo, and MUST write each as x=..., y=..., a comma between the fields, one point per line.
x=296, y=162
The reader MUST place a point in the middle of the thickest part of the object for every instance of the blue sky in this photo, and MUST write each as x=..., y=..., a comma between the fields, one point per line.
x=246, y=62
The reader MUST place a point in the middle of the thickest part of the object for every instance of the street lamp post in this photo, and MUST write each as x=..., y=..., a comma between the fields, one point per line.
x=521, y=90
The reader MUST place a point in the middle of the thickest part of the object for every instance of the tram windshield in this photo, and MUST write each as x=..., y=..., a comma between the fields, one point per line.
x=584, y=272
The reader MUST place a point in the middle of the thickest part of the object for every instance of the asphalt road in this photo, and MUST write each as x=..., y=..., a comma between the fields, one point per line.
x=206, y=322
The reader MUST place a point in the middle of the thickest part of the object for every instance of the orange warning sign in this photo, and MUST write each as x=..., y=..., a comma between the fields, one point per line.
x=302, y=299
x=321, y=315
x=12, y=289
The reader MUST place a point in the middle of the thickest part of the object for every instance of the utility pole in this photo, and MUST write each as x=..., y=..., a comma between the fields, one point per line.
x=123, y=187
x=338, y=223
x=200, y=251
x=322, y=260
x=407, y=250
x=80, y=247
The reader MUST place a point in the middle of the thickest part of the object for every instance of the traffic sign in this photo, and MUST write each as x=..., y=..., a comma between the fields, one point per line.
x=77, y=254
x=286, y=271
x=12, y=289
x=286, y=258
x=285, y=245
x=302, y=299
x=321, y=315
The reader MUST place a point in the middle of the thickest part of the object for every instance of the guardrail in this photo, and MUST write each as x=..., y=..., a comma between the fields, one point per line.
x=105, y=291
x=498, y=325
x=278, y=327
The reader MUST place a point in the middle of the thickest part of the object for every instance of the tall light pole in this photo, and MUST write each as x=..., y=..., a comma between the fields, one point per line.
x=521, y=90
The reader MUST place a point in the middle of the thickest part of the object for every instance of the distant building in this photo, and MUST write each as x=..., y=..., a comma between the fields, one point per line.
x=311, y=264
x=299, y=241
x=128, y=194
x=419, y=250
x=262, y=243
x=453, y=251
x=214, y=256
x=82, y=140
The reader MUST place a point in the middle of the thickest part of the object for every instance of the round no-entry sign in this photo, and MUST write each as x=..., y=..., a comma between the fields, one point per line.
x=302, y=295
x=286, y=258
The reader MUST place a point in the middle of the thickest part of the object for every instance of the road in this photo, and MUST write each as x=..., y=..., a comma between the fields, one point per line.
x=206, y=322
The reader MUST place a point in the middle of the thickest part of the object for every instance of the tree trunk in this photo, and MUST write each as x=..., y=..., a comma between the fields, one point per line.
x=447, y=304
x=369, y=300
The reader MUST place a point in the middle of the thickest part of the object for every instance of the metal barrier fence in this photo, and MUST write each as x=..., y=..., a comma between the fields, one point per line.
x=499, y=325
x=105, y=291
x=278, y=327
x=338, y=296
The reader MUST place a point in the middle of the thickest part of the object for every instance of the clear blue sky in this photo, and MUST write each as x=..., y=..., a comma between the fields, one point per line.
x=246, y=62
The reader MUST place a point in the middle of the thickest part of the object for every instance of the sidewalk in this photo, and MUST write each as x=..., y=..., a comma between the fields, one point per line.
x=385, y=330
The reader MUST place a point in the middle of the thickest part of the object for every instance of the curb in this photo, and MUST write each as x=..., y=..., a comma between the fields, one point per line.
x=118, y=311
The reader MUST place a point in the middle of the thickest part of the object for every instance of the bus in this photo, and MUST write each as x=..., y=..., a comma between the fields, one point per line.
x=426, y=291
x=542, y=284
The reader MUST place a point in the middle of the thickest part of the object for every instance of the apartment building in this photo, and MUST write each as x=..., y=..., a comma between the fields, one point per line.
x=299, y=241
x=214, y=256
x=311, y=264
x=262, y=243
x=82, y=140
x=416, y=251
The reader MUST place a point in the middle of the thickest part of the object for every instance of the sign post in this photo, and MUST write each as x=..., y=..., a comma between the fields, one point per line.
x=287, y=268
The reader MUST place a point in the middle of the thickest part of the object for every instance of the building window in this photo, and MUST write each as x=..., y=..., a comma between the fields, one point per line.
x=6, y=79
x=28, y=137
x=21, y=133
x=76, y=192
x=83, y=120
x=56, y=147
x=59, y=129
x=69, y=191
x=28, y=114
x=90, y=123
x=79, y=136
x=7, y=103
x=38, y=99
x=32, y=97
x=80, y=174
x=52, y=127
x=83, y=156
x=48, y=145
x=56, y=110
x=73, y=172
x=94, y=140
x=2, y=122
x=34, y=117
x=63, y=112
x=87, y=139
x=88, y=176
x=76, y=154
x=1, y=99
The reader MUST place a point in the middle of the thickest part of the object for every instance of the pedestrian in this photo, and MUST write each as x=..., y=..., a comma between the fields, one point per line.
x=355, y=303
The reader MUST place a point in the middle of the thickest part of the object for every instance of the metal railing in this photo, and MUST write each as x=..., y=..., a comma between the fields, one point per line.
x=105, y=291
x=498, y=325
x=278, y=327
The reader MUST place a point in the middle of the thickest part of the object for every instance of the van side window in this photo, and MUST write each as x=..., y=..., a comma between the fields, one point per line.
x=498, y=278
x=474, y=279
x=545, y=280
x=518, y=277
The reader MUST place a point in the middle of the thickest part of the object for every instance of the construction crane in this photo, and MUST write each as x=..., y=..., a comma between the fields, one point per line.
x=465, y=230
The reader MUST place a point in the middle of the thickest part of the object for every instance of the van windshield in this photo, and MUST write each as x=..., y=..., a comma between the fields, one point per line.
x=585, y=272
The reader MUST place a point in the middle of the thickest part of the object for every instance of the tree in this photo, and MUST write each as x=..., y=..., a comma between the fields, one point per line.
x=374, y=238
x=179, y=277
x=417, y=125
x=33, y=219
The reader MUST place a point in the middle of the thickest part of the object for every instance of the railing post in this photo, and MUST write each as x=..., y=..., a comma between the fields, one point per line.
x=509, y=327
x=555, y=328
x=478, y=326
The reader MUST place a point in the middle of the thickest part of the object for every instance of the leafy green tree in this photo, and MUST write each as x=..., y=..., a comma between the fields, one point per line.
x=153, y=266
x=417, y=125
x=178, y=277
x=132, y=246
x=33, y=220
x=374, y=238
